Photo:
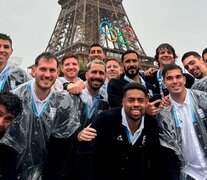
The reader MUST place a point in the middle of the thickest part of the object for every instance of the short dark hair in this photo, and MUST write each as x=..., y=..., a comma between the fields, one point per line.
x=165, y=46
x=204, y=52
x=46, y=55
x=96, y=45
x=6, y=37
x=170, y=67
x=69, y=56
x=129, y=52
x=11, y=102
x=135, y=85
x=190, y=53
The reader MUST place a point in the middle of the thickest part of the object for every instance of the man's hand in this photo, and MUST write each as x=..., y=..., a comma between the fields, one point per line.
x=76, y=88
x=150, y=71
x=87, y=134
x=154, y=107
x=165, y=101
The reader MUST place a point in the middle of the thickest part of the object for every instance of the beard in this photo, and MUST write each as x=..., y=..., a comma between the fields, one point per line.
x=131, y=75
x=95, y=87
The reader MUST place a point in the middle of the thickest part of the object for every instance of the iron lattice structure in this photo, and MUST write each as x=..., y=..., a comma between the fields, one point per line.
x=84, y=22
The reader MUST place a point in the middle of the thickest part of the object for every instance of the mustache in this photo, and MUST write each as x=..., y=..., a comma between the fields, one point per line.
x=97, y=79
x=132, y=67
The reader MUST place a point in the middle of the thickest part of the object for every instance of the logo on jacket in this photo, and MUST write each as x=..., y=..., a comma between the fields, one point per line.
x=53, y=112
x=119, y=138
x=144, y=140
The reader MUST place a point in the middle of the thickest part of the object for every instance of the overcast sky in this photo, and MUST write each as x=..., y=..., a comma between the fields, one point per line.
x=182, y=23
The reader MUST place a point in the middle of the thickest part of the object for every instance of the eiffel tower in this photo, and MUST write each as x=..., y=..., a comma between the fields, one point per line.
x=84, y=22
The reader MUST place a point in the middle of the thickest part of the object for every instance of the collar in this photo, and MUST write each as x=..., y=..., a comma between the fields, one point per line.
x=5, y=71
x=36, y=98
x=125, y=123
x=87, y=98
x=177, y=105
x=140, y=78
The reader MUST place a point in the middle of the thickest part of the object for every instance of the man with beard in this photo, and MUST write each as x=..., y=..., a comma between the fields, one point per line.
x=94, y=102
x=127, y=141
x=131, y=63
x=196, y=66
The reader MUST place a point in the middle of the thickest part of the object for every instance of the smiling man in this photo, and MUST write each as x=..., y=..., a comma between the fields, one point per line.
x=195, y=65
x=94, y=103
x=127, y=143
x=131, y=64
x=10, y=76
x=182, y=127
x=70, y=68
x=165, y=55
x=114, y=70
x=48, y=116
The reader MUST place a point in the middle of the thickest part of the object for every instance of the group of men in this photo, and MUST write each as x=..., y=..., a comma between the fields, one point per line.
x=110, y=122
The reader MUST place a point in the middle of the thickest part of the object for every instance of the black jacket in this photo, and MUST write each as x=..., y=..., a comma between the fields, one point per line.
x=115, y=91
x=7, y=163
x=110, y=156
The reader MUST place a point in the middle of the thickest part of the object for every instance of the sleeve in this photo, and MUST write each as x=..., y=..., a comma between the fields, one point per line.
x=65, y=85
x=189, y=80
x=85, y=157
x=8, y=162
x=115, y=93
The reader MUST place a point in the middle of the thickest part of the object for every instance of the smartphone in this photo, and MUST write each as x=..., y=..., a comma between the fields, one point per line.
x=157, y=104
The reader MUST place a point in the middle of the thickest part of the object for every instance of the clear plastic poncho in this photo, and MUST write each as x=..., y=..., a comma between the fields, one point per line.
x=30, y=133
x=201, y=84
x=11, y=77
x=170, y=135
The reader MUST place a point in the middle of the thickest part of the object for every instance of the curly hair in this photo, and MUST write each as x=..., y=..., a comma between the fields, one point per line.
x=165, y=46
x=11, y=102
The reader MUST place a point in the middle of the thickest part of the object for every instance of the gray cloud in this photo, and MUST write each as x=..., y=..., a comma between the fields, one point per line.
x=181, y=23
